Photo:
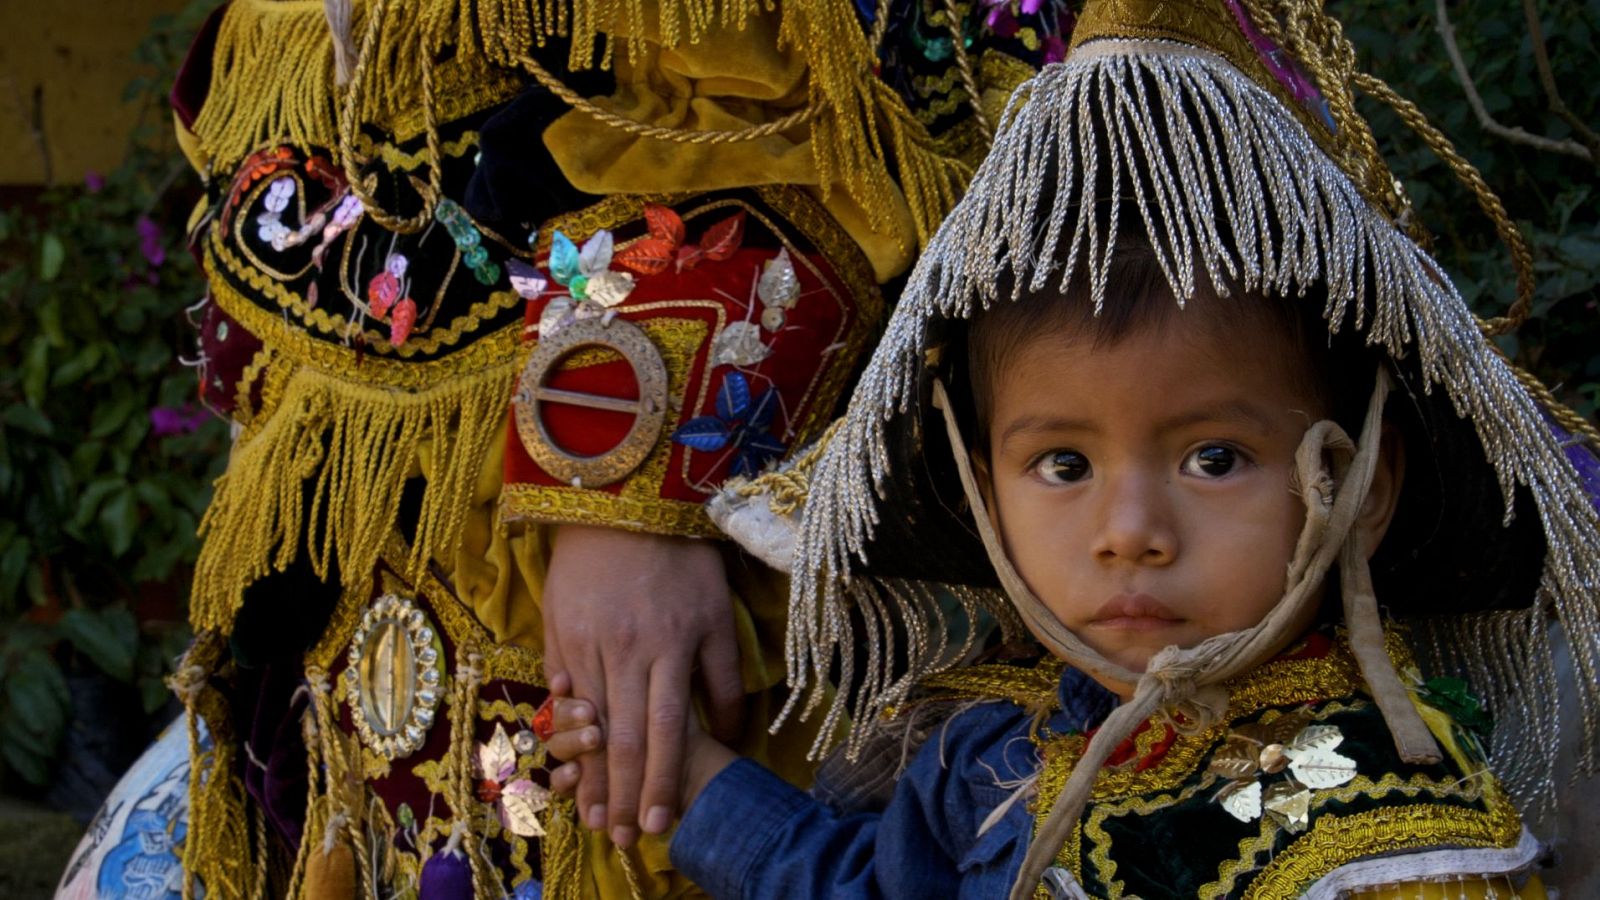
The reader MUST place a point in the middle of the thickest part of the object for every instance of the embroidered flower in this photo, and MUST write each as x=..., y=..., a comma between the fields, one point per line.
x=740, y=423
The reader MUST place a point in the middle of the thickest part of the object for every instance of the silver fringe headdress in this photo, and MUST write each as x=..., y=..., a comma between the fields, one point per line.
x=1241, y=177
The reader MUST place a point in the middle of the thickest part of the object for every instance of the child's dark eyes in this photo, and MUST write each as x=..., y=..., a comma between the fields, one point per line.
x=1211, y=461
x=1063, y=467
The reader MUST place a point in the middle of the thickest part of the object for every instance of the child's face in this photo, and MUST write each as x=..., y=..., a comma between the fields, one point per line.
x=1143, y=489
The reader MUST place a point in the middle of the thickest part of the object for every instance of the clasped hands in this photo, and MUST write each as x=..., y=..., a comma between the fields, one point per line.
x=627, y=619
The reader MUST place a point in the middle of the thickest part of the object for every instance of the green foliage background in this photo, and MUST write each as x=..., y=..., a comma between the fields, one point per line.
x=1554, y=198
x=97, y=514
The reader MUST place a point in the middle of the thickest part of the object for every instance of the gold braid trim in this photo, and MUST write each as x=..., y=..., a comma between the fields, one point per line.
x=217, y=850
x=1337, y=840
x=353, y=447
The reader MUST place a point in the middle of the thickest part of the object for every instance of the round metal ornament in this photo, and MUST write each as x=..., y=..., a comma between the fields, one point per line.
x=649, y=410
x=394, y=677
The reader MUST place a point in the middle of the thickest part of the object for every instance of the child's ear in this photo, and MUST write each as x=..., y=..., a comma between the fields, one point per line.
x=1384, y=496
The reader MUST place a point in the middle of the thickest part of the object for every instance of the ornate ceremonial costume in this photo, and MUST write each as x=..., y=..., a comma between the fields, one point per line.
x=479, y=268
x=1338, y=801
x=1225, y=133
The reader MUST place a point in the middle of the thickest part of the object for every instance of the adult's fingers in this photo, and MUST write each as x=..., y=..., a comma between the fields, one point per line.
x=724, y=684
x=589, y=683
x=625, y=750
x=667, y=730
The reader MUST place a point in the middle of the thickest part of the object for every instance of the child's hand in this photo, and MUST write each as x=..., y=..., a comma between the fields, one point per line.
x=574, y=733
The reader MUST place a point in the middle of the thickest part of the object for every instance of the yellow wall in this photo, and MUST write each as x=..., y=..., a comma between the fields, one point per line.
x=79, y=55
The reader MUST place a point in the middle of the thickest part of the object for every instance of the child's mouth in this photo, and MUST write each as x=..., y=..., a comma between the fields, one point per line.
x=1134, y=612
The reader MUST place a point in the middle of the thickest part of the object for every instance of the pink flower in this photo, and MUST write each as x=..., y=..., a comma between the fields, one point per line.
x=93, y=181
x=1055, y=49
x=166, y=421
x=150, y=242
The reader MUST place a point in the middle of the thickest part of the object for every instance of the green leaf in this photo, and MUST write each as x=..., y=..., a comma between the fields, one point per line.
x=110, y=416
x=51, y=255
x=49, y=314
x=119, y=520
x=28, y=419
x=93, y=494
x=74, y=369
x=32, y=767
x=13, y=565
x=36, y=371
x=109, y=638
x=154, y=694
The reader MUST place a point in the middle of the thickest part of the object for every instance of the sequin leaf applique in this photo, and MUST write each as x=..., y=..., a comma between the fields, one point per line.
x=666, y=244
x=1289, y=745
x=526, y=280
x=740, y=422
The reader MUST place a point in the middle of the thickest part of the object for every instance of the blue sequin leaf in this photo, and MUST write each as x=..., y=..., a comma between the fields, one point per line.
x=758, y=449
x=762, y=410
x=564, y=264
x=706, y=433
x=733, y=399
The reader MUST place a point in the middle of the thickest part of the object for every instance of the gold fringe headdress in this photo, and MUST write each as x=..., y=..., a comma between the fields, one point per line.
x=1168, y=110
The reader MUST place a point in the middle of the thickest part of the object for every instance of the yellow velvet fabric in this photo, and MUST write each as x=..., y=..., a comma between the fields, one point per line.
x=499, y=570
x=728, y=81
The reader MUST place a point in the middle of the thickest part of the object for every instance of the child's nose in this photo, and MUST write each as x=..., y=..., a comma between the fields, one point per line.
x=1135, y=522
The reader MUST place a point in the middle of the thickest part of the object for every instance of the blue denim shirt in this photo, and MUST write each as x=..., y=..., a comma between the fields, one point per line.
x=752, y=835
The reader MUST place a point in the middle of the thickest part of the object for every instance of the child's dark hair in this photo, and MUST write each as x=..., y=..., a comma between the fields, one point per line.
x=1338, y=375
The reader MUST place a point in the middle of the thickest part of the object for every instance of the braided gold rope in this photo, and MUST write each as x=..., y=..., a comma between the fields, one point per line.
x=361, y=187
x=786, y=489
x=259, y=889
x=1316, y=40
x=1467, y=174
x=1564, y=415
x=463, y=711
x=679, y=135
x=958, y=43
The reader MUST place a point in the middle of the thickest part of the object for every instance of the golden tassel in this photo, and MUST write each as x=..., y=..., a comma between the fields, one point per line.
x=854, y=107
x=217, y=845
x=272, y=80
x=561, y=853
x=353, y=446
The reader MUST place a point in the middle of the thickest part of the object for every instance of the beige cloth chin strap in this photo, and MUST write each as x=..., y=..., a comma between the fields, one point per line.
x=1334, y=476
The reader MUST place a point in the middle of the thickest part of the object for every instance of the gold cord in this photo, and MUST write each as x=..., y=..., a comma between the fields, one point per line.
x=786, y=489
x=1316, y=40
x=1467, y=174
x=680, y=135
x=363, y=187
x=964, y=65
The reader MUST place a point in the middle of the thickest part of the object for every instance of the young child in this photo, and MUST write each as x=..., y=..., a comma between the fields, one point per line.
x=1193, y=493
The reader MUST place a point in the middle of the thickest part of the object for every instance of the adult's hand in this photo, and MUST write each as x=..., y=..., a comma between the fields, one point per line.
x=627, y=617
